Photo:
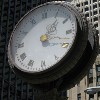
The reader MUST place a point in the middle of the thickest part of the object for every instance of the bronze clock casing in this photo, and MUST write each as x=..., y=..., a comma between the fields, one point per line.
x=70, y=64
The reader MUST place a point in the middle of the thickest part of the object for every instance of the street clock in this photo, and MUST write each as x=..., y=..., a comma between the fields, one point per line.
x=48, y=42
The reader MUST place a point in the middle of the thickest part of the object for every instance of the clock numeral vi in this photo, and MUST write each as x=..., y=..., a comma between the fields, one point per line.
x=30, y=63
x=23, y=56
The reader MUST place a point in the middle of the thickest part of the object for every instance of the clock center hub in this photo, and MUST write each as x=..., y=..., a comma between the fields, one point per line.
x=43, y=38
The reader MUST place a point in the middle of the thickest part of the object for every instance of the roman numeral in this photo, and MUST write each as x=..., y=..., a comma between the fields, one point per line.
x=69, y=31
x=33, y=21
x=56, y=58
x=21, y=45
x=44, y=15
x=24, y=32
x=43, y=64
x=56, y=14
x=65, y=20
x=23, y=56
x=30, y=63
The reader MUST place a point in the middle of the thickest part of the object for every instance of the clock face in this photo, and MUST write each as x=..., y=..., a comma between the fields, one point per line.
x=42, y=38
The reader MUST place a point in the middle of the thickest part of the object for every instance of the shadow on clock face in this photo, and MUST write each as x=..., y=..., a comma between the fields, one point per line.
x=47, y=43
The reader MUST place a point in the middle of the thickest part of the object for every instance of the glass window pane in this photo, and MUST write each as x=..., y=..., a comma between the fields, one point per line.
x=98, y=78
x=98, y=67
x=91, y=97
x=79, y=97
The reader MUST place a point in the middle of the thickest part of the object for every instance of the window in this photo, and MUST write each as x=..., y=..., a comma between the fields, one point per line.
x=82, y=3
x=98, y=81
x=78, y=5
x=96, y=25
x=90, y=78
x=98, y=95
x=96, y=19
x=99, y=49
x=90, y=1
x=91, y=97
x=79, y=97
x=86, y=9
x=86, y=2
x=94, y=0
x=98, y=68
x=98, y=78
x=94, y=6
x=94, y=12
x=87, y=15
x=91, y=71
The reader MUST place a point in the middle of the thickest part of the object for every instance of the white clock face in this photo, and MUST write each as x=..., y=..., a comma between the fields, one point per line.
x=42, y=38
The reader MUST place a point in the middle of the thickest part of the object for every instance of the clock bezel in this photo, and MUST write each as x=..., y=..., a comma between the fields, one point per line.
x=62, y=68
x=25, y=16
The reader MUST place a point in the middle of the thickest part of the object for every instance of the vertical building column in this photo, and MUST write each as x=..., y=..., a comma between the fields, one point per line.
x=70, y=94
x=99, y=29
x=94, y=80
x=98, y=11
x=83, y=86
x=92, y=11
x=74, y=93
x=94, y=75
x=89, y=5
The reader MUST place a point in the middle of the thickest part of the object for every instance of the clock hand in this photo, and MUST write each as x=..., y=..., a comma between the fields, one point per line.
x=63, y=45
x=49, y=38
x=46, y=37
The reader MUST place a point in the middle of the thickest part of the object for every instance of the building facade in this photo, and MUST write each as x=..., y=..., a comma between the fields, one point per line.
x=91, y=9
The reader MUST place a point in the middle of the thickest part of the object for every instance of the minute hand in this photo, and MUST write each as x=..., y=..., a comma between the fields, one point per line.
x=49, y=38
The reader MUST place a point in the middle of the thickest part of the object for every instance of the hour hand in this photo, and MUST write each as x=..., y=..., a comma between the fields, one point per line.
x=63, y=45
x=56, y=37
x=46, y=37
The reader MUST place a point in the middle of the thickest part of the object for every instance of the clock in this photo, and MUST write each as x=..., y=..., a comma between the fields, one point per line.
x=47, y=42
